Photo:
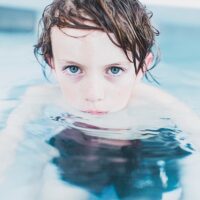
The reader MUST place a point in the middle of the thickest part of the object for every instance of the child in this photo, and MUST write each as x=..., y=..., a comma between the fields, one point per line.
x=99, y=50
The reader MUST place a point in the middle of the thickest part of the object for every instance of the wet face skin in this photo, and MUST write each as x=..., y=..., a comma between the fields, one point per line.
x=94, y=75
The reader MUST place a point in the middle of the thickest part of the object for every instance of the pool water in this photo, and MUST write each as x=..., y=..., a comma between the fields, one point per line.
x=179, y=41
x=57, y=157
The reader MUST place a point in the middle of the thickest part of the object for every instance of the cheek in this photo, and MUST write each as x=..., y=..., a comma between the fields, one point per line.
x=68, y=88
x=125, y=93
x=126, y=85
x=123, y=90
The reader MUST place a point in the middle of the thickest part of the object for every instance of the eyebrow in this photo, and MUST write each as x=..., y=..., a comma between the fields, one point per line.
x=107, y=65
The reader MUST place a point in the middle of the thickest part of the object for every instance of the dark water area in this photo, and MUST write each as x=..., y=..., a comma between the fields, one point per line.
x=134, y=169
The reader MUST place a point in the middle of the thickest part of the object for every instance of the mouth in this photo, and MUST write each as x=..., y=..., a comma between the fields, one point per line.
x=95, y=112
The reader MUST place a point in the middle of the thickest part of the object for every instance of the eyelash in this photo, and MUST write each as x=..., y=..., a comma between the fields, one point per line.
x=68, y=67
x=74, y=74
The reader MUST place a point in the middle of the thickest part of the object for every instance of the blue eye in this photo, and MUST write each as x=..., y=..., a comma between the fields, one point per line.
x=72, y=69
x=116, y=70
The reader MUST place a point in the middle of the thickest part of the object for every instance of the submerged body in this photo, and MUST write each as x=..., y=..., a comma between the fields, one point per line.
x=133, y=128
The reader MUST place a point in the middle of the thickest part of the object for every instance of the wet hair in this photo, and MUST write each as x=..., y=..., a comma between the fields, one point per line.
x=128, y=20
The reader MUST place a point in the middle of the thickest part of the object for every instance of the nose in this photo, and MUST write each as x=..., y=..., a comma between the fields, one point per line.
x=94, y=91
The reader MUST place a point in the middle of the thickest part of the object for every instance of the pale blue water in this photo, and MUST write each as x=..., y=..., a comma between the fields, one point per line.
x=54, y=160
x=179, y=41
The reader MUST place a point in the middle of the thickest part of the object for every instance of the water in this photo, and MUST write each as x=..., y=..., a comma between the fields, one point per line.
x=56, y=158
x=60, y=156
x=179, y=40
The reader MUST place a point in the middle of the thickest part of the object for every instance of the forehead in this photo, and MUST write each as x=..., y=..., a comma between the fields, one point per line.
x=77, y=43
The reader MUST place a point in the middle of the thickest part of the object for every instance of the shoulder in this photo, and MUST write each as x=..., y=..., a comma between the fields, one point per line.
x=32, y=103
x=154, y=93
x=163, y=99
x=183, y=116
x=42, y=94
x=44, y=90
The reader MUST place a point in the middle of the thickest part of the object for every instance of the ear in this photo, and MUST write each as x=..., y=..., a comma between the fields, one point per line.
x=147, y=63
x=148, y=60
x=50, y=62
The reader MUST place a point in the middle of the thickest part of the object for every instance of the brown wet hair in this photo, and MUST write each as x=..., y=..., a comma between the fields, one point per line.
x=128, y=20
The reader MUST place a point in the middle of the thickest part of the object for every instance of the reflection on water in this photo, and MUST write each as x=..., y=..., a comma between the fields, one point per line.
x=63, y=157
x=56, y=157
x=134, y=169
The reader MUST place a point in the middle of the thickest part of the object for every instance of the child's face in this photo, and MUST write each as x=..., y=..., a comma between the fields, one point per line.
x=95, y=76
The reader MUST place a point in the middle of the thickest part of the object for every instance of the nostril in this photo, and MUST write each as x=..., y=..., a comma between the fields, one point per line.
x=93, y=99
x=94, y=95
